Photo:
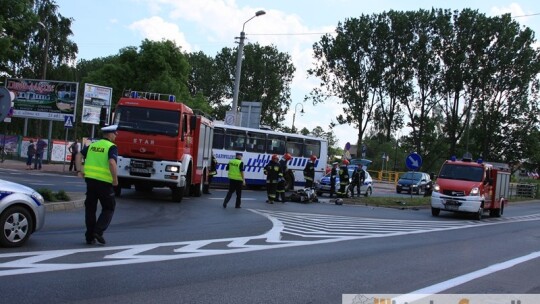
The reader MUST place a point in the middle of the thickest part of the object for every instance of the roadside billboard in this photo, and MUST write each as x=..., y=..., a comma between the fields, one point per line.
x=95, y=97
x=43, y=99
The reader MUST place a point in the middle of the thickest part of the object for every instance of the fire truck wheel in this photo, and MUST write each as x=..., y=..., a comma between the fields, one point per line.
x=435, y=211
x=177, y=194
x=197, y=190
x=496, y=212
x=478, y=215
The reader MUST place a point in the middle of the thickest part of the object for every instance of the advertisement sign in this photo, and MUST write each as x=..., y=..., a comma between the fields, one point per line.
x=43, y=99
x=95, y=97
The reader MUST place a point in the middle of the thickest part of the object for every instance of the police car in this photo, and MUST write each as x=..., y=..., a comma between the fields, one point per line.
x=22, y=212
x=323, y=185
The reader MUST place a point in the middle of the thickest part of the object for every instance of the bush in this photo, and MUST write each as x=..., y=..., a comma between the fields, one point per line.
x=50, y=196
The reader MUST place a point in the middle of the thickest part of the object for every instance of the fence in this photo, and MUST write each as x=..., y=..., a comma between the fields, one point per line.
x=524, y=190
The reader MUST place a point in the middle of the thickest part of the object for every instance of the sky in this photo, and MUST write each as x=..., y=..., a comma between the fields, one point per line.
x=102, y=27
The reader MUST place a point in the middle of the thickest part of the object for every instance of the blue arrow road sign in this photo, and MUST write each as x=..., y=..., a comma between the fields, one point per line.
x=413, y=161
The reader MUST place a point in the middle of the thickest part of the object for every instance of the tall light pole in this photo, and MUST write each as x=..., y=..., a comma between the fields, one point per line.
x=44, y=76
x=45, y=51
x=239, y=66
x=294, y=114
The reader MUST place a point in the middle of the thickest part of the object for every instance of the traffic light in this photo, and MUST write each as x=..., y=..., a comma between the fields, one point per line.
x=103, y=119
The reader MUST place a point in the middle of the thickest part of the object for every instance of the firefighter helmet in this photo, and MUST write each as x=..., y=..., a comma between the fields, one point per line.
x=345, y=162
x=287, y=156
x=275, y=157
x=313, y=158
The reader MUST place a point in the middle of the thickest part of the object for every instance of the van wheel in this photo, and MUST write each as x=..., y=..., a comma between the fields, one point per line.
x=435, y=211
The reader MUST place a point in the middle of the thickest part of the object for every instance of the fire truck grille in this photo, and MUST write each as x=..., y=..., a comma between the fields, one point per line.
x=454, y=193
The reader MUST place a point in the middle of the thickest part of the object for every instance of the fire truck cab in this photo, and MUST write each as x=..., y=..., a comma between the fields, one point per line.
x=470, y=187
x=162, y=143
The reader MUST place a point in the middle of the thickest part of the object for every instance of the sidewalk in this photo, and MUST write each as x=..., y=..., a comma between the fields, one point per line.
x=77, y=198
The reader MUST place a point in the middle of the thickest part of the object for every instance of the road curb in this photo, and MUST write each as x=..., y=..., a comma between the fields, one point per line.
x=76, y=202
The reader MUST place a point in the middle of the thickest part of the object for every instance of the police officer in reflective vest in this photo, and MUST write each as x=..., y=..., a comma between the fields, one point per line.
x=343, y=179
x=236, y=180
x=273, y=173
x=100, y=175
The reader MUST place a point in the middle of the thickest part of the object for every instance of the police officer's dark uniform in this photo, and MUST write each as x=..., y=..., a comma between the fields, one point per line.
x=343, y=179
x=100, y=175
x=236, y=180
x=309, y=172
x=272, y=170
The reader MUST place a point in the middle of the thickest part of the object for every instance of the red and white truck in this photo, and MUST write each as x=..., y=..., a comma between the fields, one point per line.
x=162, y=143
x=470, y=187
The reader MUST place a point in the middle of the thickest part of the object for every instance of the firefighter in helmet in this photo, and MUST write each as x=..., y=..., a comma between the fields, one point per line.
x=281, y=183
x=343, y=179
x=309, y=171
x=211, y=173
x=273, y=174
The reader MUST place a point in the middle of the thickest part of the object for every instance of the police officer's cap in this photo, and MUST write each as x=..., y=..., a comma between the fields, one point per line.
x=239, y=154
x=109, y=129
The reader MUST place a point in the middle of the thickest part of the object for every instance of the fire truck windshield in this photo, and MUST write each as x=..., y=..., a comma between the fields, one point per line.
x=146, y=120
x=459, y=172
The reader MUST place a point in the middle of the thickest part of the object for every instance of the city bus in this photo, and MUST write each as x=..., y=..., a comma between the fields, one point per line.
x=258, y=145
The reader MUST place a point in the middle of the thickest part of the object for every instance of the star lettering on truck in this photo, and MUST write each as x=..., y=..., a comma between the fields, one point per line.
x=143, y=141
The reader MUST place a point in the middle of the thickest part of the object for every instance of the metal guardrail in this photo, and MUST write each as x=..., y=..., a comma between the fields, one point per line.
x=524, y=190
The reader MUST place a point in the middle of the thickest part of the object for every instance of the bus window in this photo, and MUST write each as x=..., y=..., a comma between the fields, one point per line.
x=235, y=140
x=275, y=144
x=218, y=138
x=255, y=142
x=294, y=146
x=312, y=147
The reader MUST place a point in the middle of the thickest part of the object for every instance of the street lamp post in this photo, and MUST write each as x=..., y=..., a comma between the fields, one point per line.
x=44, y=76
x=294, y=114
x=239, y=66
x=45, y=51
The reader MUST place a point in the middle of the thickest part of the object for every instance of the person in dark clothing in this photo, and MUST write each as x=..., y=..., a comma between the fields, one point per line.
x=281, y=183
x=273, y=173
x=343, y=179
x=74, y=150
x=211, y=173
x=333, y=177
x=355, y=181
x=40, y=149
x=30, y=154
x=236, y=180
x=101, y=176
x=309, y=172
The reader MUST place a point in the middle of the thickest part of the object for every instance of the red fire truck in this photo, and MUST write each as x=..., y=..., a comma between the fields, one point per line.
x=162, y=143
x=472, y=187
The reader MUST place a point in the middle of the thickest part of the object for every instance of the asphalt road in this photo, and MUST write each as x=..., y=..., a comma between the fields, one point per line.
x=197, y=252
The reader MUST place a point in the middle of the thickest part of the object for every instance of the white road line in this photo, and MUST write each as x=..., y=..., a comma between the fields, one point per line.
x=276, y=237
x=442, y=286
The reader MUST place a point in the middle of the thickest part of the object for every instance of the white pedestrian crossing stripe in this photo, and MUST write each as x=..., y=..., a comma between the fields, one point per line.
x=288, y=230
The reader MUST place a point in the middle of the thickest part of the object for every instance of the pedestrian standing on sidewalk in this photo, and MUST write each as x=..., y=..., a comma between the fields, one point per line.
x=236, y=180
x=74, y=150
x=40, y=148
x=100, y=175
x=30, y=154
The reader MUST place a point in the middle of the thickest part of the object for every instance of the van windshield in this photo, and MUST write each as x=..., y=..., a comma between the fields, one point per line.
x=146, y=120
x=468, y=173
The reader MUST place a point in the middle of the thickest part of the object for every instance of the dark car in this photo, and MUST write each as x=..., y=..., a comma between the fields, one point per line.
x=414, y=182
x=323, y=185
